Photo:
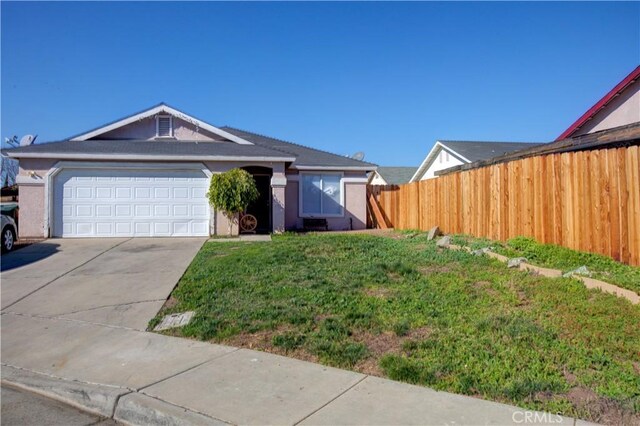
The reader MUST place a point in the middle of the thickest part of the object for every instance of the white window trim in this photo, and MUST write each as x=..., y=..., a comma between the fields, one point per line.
x=158, y=126
x=320, y=215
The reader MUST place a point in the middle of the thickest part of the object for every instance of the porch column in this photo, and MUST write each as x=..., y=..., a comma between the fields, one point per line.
x=278, y=184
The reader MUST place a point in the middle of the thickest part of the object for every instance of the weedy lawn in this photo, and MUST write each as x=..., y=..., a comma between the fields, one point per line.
x=562, y=258
x=399, y=307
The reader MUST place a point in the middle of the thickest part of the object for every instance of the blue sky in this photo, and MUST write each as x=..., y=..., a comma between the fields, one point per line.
x=385, y=78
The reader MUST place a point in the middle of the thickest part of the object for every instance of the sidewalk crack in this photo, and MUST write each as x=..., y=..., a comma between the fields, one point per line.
x=330, y=401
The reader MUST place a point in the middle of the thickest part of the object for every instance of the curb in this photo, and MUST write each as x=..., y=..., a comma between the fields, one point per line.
x=96, y=399
x=121, y=404
x=140, y=409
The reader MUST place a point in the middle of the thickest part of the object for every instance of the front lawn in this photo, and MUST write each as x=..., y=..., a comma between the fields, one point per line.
x=401, y=308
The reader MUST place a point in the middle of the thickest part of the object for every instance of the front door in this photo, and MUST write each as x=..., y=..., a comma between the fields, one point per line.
x=261, y=208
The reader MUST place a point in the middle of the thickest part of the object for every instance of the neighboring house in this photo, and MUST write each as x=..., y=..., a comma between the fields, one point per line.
x=619, y=107
x=391, y=175
x=148, y=175
x=447, y=154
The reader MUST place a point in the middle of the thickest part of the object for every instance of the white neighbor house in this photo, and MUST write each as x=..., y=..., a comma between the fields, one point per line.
x=446, y=154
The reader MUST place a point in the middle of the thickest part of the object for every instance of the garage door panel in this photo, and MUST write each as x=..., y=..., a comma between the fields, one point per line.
x=116, y=203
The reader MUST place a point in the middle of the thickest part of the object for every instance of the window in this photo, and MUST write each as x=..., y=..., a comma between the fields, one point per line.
x=164, y=126
x=321, y=194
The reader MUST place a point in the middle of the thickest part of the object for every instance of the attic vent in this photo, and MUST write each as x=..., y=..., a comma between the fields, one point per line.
x=164, y=126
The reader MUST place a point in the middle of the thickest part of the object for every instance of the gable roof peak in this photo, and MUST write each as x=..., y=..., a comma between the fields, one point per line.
x=162, y=107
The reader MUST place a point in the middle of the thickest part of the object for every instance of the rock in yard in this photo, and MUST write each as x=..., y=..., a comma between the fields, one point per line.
x=174, y=320
x=583, y=270
x=481, y=252
x=433, y=232
x=444, y=241
x=515, y=262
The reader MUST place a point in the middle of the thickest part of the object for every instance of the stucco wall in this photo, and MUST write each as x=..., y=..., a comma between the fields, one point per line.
x=31, y=196
x=31, y=220
x=355, y=208
x=625, y=109
x=146, y=129
x=284, y=217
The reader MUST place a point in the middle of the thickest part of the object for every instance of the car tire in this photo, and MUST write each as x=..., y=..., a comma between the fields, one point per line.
x=8, y=239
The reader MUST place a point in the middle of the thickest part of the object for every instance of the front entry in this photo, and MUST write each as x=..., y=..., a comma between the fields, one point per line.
x=261, y=208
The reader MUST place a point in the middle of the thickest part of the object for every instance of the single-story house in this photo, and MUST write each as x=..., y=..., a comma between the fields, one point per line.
x=446, y=154
x=148, y=174
x=619, y=107
x=391, y=175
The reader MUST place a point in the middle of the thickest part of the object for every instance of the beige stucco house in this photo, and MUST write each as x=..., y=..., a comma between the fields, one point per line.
x=148, y=174
x=619, y=107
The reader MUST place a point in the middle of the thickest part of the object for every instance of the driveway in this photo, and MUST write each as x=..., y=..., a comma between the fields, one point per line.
x=120, y=282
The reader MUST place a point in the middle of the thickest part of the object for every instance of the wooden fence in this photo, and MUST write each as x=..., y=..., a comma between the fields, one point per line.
x=585, y=200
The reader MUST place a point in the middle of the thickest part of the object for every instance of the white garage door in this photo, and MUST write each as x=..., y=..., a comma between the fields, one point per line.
x=130, y=203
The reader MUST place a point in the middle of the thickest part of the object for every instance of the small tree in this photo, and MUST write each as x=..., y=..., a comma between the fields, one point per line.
x=231, y=192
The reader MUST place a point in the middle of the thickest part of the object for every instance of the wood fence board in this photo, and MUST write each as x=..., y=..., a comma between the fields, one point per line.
x=585, y=200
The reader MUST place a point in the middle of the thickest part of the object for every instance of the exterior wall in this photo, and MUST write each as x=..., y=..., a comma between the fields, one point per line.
x=376, y=179
x=285, y=203
x=31, y=216
x=440, y=162
x=355, y=208
x=31, y=196
x=146, y=129
x=625, y=109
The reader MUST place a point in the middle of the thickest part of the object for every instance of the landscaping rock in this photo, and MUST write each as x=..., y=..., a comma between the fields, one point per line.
x=515, y=262
x=444, y=241
x=583, y=270
x=434, y=232
x=481, y=252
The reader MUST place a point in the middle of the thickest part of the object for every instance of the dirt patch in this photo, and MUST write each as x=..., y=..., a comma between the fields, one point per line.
x=418, y=333
x=569, y=376
x=382, y=344
x=170, y=303
x=600, y=409
x=263, y=341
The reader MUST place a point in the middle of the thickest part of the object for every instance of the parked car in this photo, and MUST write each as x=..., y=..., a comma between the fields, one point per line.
x=9, y=233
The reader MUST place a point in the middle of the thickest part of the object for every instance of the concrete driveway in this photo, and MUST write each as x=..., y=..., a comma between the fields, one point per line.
x=120, y=282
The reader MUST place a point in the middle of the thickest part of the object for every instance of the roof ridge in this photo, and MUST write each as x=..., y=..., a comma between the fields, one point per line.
x=293, y=143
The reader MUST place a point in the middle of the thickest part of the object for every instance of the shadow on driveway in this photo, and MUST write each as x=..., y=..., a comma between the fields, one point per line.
x=27, y=255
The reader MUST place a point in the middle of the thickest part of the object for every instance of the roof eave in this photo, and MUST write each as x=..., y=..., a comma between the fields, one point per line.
x=338, y=168
x=146, y=157
x=603, y=102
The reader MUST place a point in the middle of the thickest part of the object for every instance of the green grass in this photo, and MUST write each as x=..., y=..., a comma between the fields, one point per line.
x=562, y=258
x=402, y=308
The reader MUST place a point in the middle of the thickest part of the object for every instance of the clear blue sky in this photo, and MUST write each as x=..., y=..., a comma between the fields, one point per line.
x=385, y=78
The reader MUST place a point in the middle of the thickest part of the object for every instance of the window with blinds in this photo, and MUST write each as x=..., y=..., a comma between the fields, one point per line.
x=164, y=126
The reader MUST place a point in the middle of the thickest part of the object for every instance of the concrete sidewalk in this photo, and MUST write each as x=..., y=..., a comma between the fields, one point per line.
x=138, y=377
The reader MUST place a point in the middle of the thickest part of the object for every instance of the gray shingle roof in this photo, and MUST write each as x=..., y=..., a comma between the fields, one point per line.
x=478, y=150
x=147, y=147
x=305, y=156
x=396, y=175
